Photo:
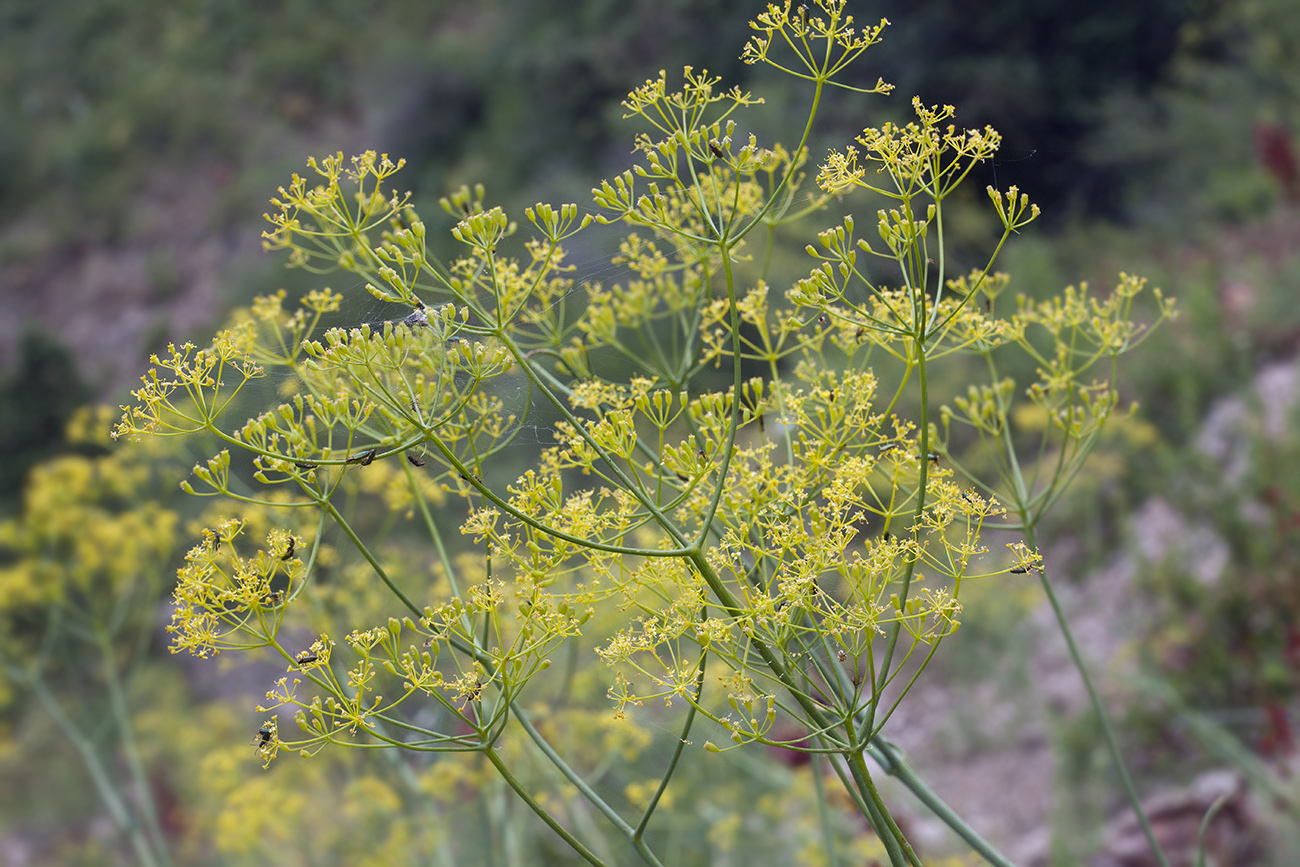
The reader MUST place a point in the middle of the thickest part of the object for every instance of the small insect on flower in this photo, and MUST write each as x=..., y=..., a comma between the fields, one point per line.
x=416, y=319
x=364, y=458
x=822, y=320
x=271, y=600
x=1019, y=570
x=841, y=655
x=476, y=694
x=415, y=460
x=305, y=658
x=761, y=427
x=262, y=738
x=304, y=465
x=288, y=552
x=934, y=457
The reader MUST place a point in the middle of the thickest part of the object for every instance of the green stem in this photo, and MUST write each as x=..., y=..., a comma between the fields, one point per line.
x=143, y=794
x=581, y=785
x=923, y=444
x=537, y=808
x=677, y=754
x=824, y=813
x=99, y=776
x=890, y=759
x=887, y=830
x=1108, y=732
x=562, y=766
x=361, y=547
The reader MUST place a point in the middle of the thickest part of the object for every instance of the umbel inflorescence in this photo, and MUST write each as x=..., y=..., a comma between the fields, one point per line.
x=729, y=512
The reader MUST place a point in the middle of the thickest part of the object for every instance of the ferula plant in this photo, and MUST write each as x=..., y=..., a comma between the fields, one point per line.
x=729, y=509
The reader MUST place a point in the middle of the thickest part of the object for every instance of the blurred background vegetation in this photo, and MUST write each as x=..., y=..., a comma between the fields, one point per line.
x=141, y=139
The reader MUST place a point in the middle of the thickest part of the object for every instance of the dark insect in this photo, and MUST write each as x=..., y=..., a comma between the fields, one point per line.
x=988, y=305
x=464, y=206
x=304, y=466
x=305, y=657
x=700, y=454
x=364, y=458
x=415, y=461
x=271, y=600
x=861, y=331
x=476, y=694
x=822, y=320
x=716, y=151
x=934, y=457
x=761, y=427
x=889, y=537
x=262, y=738
x=417, y=318
x=1019, y=570
x=830, y=398
x=288, y=552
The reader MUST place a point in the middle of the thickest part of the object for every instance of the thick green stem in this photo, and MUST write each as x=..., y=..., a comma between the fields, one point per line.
x=896, y=845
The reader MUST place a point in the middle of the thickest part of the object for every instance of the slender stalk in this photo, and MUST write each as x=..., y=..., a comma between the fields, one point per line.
x=582, y=786
x=1108, y=732
x=143, y=794
x=890, y=759
x=677, y=754
x=824, y=813
x=537, y=808
x=117, y=807
x=1205, y=826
